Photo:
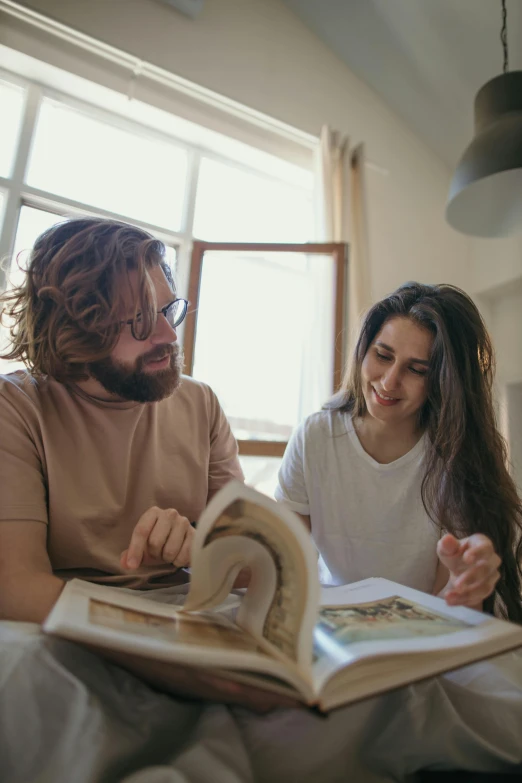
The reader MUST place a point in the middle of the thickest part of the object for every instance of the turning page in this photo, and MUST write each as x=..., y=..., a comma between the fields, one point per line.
x=242, y=528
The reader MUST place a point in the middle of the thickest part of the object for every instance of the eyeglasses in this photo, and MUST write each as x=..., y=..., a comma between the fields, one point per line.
x=174, y=313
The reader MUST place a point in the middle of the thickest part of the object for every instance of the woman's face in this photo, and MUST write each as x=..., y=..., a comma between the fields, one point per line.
x=394, y=371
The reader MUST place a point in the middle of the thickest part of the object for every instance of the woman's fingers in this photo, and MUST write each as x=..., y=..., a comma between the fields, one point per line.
x=474, y=586
x=451, y=552
x=474, y=596
x=480, y=572
x=474, y=569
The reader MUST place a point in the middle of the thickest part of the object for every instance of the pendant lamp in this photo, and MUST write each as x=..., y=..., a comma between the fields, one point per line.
x=485, y=197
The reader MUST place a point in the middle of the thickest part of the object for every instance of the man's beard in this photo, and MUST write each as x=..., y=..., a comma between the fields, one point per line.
x=135, y=383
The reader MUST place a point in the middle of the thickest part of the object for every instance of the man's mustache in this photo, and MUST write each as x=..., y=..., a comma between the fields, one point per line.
x=159, y=353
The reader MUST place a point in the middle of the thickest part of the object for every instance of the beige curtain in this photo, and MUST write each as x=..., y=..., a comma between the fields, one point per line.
x=341, y=217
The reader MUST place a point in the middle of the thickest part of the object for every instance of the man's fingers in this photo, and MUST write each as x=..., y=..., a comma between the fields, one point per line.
x=183, y=557
x=178, y=546
x=159, y=535
x=140, y=537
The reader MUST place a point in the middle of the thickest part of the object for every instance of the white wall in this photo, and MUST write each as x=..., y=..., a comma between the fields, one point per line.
x=514, y=425
x=497, y=275
x=506, y=327
x=258, y=53
x=497, y=263
x=497, y=280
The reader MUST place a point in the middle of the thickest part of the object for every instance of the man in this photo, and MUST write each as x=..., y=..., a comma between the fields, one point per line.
x=107, y=454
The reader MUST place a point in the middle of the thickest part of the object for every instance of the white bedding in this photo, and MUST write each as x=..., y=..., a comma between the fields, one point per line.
x=66, y=716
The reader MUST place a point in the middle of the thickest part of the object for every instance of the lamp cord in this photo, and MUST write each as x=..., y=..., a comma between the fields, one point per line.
x=503, y=35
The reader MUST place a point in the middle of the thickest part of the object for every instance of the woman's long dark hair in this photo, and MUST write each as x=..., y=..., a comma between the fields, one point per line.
x=467, y=487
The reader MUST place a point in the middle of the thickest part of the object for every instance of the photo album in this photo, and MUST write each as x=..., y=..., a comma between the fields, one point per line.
x=325, y=647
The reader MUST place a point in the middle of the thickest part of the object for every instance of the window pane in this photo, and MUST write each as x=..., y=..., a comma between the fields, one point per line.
x=31, y=223
x=171, y=257
x=237, y=205
x=265, y=341
x=261, y=472
x=85, y=159
x=11, y=108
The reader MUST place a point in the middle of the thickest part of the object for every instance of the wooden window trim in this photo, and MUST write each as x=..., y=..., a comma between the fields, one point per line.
x=339, y=251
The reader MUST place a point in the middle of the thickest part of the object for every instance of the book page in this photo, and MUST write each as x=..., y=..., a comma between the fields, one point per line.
x=340, y=628
x=205, y=629
x=119, y=621
x=387, y=618
x=384, y=619
x=246, y=528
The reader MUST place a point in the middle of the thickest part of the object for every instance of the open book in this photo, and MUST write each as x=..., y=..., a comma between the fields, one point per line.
x=324, y=647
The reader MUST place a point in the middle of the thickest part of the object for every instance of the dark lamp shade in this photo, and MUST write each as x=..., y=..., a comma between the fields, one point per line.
x=485, y=197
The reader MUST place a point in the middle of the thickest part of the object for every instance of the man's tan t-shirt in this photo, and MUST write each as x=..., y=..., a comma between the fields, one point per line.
x=89, y=469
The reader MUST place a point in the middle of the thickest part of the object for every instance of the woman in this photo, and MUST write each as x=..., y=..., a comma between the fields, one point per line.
x=403, y=474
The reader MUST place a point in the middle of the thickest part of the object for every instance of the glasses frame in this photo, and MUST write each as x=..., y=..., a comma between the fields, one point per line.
x=164, y=312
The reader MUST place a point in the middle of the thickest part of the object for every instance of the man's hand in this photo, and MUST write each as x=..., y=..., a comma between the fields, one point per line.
x=161, y=536
x=473, y=569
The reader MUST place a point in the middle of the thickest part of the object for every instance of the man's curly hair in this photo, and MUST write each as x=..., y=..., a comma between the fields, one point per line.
x=68, y=312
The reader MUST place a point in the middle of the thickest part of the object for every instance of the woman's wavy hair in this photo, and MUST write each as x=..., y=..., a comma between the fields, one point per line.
x=68, y=311
x=467, y=487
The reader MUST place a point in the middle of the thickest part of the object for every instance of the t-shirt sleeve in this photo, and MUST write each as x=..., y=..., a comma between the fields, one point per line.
x=23, y=494
x=291, y=489
x=223, y=462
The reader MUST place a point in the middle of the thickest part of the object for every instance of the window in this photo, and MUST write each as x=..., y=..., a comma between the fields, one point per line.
x=264, y=331
x=79, y=158
x=93, y=161
x=31, y=223
x=2, y=202
x=12, y=99
x=265, y=328
x=235, y=204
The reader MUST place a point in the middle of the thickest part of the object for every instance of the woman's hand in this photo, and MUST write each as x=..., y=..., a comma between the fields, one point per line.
x=473, y=566
x=160, y=536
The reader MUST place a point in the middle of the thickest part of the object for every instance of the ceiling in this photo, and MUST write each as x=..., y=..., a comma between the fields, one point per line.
x=425, y=58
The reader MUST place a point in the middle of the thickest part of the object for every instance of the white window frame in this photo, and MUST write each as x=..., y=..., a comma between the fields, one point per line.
x=19, y=194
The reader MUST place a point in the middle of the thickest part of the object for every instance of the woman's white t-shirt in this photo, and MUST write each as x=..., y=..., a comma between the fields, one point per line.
x=367, y=519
